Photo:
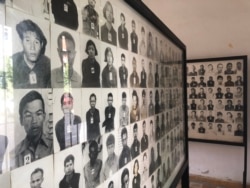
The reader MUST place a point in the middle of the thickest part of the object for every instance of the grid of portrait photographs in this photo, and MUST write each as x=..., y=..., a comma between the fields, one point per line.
x=93, y=97
x=216, y=99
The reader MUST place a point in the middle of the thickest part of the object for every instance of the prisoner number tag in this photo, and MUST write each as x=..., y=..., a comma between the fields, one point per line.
x=109, y=37
x=134, y=80
x=68, y=129
x=133, y=41
x=134, y=181
x=65, y=7
x=123, y=36
x=135, y=148
x=32, y=77
x=92, y=171
x=92, y=70
x=110, y=76
x=27, y=159
x=124, y=114
x=125, y=160
x=143, y=76
x=124, y=76
x=92, y=25
x=91, y=120
x=109, y=115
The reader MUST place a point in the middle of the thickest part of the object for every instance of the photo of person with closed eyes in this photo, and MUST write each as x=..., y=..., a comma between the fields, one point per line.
x=108, y=33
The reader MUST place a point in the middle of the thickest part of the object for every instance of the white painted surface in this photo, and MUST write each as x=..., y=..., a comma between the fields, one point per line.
x=211, y=29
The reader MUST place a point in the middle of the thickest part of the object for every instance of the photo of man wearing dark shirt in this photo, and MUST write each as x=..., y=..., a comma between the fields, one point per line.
x=123, y=72
x=123, y=33
x=109, y=115
x=135, y=147
x=125, y=156
x=134, y=38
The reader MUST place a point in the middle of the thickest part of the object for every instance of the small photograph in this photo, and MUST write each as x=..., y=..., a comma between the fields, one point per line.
x=91, y=59
x=136, y=173
x=144, y=166
x=134, y=79
x=123, y=36
x=124, y=102
x=37, y=174
x=151, y=105
x=109, y=25
x=110, y=156
x=134, y=36
x=65, y=14
x=144, y=104
x=150, y=44
x=68, y=167
x=90, y=16
x=151, y=75
x=143, y=40
x=39, y=9
x=67, y=118
x=5, y=180
x=156, y=76
x=157, y=102
x=125, y=176
x=110, y=110
x=125, y=138
x=135, y=106
x=153, y=165
x=31, y=54
x=92, y=156
x=151, y=130
x=109, y=73
x=123, y=64
x=136, y=143
x=92, y=112
x=30, y=104
x=144, y=72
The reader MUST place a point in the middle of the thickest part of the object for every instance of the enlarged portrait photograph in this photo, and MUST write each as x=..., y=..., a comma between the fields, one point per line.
x=38, y=174
x=215, y=99
x=31, y=50
x=31, y=127
x=66, y=66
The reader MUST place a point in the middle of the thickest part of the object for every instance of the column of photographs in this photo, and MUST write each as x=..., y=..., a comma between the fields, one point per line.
x=215, y=100
x=90, y=101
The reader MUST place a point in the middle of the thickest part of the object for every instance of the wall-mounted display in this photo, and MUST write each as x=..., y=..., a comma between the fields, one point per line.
x=93, y=96
x=216, y=95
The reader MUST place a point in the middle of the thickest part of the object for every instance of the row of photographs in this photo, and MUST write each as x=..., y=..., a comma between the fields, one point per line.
x=109, y=21
x=84, y=165
x=208, y=69
x=65, y=122
x=41, y=63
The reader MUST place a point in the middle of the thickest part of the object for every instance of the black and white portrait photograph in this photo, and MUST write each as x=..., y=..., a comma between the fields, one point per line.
x=31, y=140
x=65, y=13
x=31, y=54
x=36, y=175
x=92, y=113
x=66, y=66
x=68, y=168
x=109, y=22
x=109, y=62
x=92, y=162
x=67, y=119
x=135, y=105
x=123, y=64
x=89, y=16
x=91, y=62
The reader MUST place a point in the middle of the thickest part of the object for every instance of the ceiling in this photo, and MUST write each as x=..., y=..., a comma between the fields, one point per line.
x=208, y=28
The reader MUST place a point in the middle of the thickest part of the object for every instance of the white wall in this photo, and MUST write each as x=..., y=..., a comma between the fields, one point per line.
x=211, y=29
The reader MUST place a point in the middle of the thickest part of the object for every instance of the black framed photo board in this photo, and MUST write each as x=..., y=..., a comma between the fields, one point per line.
x=216, y=95
x=94, y=95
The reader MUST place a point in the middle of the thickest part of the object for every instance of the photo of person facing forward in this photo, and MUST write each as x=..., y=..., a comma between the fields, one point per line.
x=31, y=68
x=109, y=74
x=68, y=128
x=135, y=111
x=36, y=178
x=66, y=51
x=136, y=182
x=123, y=33
x=123, y=72
x=71, y=178
x=124, y=111
x=108, y=33
x=91, y=67
x=109, y=115
x=134, y=38
x=35, y=145
x=125, y=156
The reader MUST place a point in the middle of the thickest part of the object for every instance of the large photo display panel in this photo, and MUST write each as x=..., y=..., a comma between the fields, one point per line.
x=216, y=95
x=93, y=96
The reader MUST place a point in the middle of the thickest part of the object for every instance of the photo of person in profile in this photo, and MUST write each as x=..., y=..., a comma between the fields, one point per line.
x=125, y=156
x=92, y=169
x=124, y=111
x=93, y=119
x=90, y=67
x=136, y=182
x=134, y=78
x=65, y=13
x=125, y=178
x=35, y=145
x=31, y=68
x=90, y=19
x=66, y=51
x=109, y=73
x=123, y=33
x=135, y=147
x=108, y=33
x=68, y=128
x=109, y=115
x=36, y=178
x=71, y=178
x=135, y=111
x=134, y=38
x=111, y=164
x=3, y=146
